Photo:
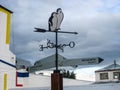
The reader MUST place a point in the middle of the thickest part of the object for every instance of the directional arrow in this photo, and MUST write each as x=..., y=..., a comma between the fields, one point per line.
x=82, y=61
x=44, y=30
x=48, y=62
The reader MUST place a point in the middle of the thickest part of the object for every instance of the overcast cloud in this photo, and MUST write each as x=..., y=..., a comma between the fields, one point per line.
x=96, y=21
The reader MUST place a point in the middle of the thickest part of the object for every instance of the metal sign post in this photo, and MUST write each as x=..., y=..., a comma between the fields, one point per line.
x=54, y=26
x=56, y=48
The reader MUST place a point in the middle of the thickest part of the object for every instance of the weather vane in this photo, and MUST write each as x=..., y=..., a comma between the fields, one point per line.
x=54, y=23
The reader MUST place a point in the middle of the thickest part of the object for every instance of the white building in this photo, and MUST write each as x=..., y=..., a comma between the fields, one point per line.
x=7, y=58
x=110, y=73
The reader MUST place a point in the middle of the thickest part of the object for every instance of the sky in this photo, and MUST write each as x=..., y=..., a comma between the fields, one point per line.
x=96, y=21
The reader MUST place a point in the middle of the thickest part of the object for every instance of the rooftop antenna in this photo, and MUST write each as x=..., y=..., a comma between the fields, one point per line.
x=115, y=64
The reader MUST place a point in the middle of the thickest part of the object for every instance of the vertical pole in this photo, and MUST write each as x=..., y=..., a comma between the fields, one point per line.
x=56, y=77
x=5, y=81
x=56, y=81
x=56, y=62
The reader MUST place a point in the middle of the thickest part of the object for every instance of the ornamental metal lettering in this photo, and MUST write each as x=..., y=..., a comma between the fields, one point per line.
x=51, y=45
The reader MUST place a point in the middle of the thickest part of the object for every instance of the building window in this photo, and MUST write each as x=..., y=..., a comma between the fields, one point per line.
x=116, y=75
x=103, y=76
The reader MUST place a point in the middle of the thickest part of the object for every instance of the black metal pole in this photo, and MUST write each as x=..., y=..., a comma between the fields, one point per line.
x=56, y=47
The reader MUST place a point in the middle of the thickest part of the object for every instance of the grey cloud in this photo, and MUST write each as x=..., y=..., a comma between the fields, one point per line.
x=98, y=31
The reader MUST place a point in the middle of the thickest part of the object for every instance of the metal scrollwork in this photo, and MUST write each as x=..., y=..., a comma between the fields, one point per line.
x=60, y=46
x=70, y=44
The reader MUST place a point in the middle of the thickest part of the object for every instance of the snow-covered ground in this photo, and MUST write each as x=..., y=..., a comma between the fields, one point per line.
x=39, y=82
x=111, y=86
x=45, y=81
x=86, y=73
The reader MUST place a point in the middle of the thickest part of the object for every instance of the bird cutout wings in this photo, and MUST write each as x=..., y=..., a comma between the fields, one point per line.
x=55, y=20
x=60, y=17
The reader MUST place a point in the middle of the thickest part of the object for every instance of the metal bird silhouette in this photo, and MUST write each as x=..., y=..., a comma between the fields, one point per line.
x=55, y=20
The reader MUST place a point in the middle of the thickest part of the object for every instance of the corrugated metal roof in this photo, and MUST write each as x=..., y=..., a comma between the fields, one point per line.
x=110, y=67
